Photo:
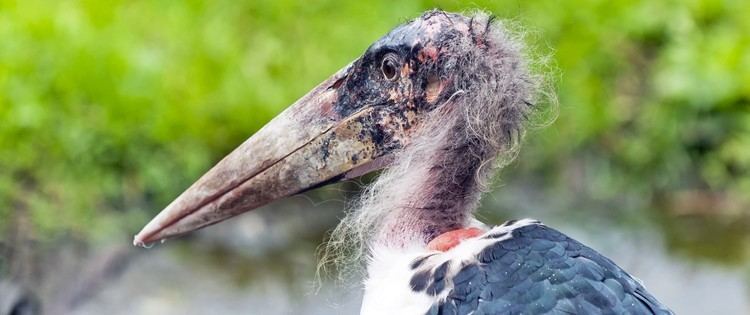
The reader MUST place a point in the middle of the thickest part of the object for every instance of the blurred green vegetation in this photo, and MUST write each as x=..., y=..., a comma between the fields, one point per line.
x=109, y=109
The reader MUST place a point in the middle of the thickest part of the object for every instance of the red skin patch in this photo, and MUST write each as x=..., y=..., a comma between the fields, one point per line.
x=450, y=239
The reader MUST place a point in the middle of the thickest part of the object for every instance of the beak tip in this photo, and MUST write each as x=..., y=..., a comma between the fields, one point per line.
x=139, y=241
x=146, y=237
x=154, y=231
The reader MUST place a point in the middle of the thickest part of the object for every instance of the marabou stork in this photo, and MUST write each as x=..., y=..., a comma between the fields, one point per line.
x=435, y=103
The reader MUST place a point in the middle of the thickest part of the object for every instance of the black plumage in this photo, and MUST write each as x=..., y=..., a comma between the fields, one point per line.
x=538, y=270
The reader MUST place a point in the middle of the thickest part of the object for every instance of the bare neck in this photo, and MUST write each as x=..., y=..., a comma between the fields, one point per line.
x=438, y=188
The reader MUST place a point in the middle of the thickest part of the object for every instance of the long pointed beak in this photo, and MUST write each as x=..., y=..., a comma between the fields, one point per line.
x=306, y=146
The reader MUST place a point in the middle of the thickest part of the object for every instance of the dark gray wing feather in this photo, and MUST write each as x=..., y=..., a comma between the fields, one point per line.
x=542, y=271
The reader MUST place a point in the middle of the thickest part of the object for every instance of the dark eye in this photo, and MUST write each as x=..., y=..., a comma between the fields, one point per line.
x=389, y=67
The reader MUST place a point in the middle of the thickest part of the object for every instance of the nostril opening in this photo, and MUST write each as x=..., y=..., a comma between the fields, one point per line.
x=337, y=84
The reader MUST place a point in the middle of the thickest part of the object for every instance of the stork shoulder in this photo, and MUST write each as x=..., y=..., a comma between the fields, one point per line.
x=521, y=266
x=412, y=279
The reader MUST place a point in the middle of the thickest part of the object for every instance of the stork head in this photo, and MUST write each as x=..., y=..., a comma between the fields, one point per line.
x=437, y=66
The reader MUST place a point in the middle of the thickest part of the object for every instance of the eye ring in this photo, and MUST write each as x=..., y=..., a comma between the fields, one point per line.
x=389, y=67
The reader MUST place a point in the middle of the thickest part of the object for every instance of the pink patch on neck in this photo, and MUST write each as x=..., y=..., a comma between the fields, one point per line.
x=450, y=239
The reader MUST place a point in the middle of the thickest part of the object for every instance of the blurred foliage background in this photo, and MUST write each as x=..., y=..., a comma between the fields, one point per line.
x=109, y=109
